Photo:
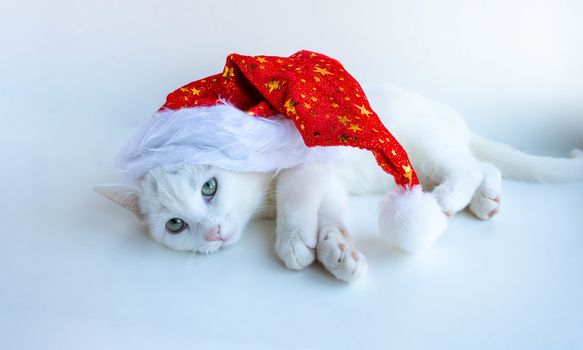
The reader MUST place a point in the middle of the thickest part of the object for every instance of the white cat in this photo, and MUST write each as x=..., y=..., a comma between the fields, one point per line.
x=202, y=208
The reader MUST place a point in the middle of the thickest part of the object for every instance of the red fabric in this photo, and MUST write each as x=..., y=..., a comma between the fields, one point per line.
x=326, y=103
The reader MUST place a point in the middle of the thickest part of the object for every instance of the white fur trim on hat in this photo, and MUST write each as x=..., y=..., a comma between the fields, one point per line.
x=222, y=136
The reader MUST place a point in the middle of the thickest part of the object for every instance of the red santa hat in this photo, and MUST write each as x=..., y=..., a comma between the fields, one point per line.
x=265, y=113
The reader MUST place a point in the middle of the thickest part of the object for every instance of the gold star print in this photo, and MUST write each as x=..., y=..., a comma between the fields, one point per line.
x=343, y=119
x=322, y=71
x=317, y=79
x=303, y=80
x=335, y=105
x=354, y=127
x=408, y=173
x=273, y=85
x=341, y=88
x=363, y=110
x=393, y=152
x=261, y=59
x=195, y=91
x=347, y=98
x=314, y=99
x=307, y=106
x=290, y=106
x=261, y=67
x=278, y=61
x=302, y=126
x=227, y=73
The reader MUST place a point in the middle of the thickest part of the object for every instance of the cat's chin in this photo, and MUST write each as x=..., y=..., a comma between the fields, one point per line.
x=210, y=248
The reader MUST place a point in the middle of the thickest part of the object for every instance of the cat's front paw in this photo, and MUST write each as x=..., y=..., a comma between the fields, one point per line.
x=294, y=251
x=336, y=254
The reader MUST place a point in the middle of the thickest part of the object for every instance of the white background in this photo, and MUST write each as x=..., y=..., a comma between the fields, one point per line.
x=76, y=78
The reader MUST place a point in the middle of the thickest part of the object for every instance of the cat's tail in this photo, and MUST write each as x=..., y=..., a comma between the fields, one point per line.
x=518, y=165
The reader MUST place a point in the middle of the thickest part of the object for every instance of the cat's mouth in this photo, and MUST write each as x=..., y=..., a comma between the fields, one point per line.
x=219, y=239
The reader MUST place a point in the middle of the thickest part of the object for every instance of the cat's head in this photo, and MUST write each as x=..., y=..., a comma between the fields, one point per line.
x=196, y=208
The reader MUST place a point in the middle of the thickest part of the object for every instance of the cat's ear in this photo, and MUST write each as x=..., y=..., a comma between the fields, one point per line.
x=126, y=196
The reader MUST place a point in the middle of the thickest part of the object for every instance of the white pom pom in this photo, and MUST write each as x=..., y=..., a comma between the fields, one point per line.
x=411, y=219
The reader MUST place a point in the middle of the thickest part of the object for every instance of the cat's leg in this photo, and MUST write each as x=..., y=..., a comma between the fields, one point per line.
x=335, y=249
x=457, y=179
x=299, y=193
x=486, y=201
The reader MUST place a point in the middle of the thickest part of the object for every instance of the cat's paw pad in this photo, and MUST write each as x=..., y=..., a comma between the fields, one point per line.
x=295, y=253
x=337, y=256
x=485, y=205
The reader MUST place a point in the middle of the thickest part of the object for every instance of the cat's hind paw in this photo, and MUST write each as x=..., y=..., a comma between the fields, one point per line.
x=486, y=201
x=485, y=207
x=337, y=256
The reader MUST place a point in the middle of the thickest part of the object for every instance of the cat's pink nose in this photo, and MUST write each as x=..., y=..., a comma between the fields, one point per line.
x=212, y=234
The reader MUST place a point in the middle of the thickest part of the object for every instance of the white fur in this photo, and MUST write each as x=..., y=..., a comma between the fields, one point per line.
x=517, y=165
x=451, y=163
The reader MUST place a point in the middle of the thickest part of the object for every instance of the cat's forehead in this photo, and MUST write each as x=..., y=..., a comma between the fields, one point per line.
x=177, y=177
x=174, y=187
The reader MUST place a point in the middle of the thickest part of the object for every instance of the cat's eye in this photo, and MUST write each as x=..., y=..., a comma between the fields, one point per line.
x=175, y=225
x=209, y=188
